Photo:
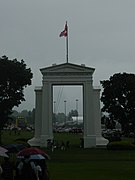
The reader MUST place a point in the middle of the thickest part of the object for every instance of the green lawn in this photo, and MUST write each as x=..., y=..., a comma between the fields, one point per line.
x=95, y=164
x=8, y=137
x=92, y=164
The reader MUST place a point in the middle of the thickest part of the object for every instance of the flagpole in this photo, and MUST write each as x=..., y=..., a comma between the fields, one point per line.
x=67, y=44
x=64, y=33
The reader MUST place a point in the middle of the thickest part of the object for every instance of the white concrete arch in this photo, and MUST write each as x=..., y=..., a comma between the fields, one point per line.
x=68, y=74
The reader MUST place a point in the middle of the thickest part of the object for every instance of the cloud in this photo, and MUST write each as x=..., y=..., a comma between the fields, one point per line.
x=101, y=35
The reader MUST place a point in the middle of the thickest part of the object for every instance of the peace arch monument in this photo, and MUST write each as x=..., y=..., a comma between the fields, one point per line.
x=67, y=74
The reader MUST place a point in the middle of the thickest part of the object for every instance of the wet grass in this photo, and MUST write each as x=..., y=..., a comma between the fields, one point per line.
x=92, y=164
x=11, y=137
x=95, y=164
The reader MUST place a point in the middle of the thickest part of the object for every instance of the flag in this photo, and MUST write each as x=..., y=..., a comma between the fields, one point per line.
x=64, y=33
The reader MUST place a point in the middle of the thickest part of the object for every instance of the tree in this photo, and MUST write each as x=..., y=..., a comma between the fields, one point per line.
x=14, y=77
x=72, y=113
x=118, y=99
x=28, y=116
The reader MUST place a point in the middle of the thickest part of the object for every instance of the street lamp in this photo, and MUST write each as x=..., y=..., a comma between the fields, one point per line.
x=65, y=111
x=54, y=111
x=77, y=110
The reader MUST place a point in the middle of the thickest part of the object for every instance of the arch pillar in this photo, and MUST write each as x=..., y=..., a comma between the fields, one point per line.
x=47, y=101
x=100, y=141
x=38, y=117
x=89, y=125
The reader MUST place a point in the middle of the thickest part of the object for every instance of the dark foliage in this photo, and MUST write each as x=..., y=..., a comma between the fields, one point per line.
x=14, y=77
x=118, y=99
x=120, y=145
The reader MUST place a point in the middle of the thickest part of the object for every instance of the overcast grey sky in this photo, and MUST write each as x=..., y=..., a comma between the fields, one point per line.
x=101, y=36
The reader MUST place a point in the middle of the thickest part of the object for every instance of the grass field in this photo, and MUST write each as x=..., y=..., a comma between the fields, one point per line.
x=92, y=164
x=87, y=164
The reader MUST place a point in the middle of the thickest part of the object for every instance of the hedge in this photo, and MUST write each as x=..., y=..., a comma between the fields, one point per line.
x=121, y=145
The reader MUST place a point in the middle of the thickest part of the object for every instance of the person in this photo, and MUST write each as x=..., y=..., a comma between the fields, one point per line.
x=45, y=173
x=67, y=144
x=1, y=171
x=62, y=145
x=26, y=169
x=7, y=168
x=38, y=171
x=81, y=143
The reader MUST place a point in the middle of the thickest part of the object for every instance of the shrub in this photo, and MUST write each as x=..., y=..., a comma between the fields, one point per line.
x=112, y=135
x=120, y=145
x=114, y=138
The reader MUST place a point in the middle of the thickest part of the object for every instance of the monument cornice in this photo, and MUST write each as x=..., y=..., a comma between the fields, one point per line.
x=67, y=69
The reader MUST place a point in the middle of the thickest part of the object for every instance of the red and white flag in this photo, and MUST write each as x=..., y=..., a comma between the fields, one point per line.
x=64, y=33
